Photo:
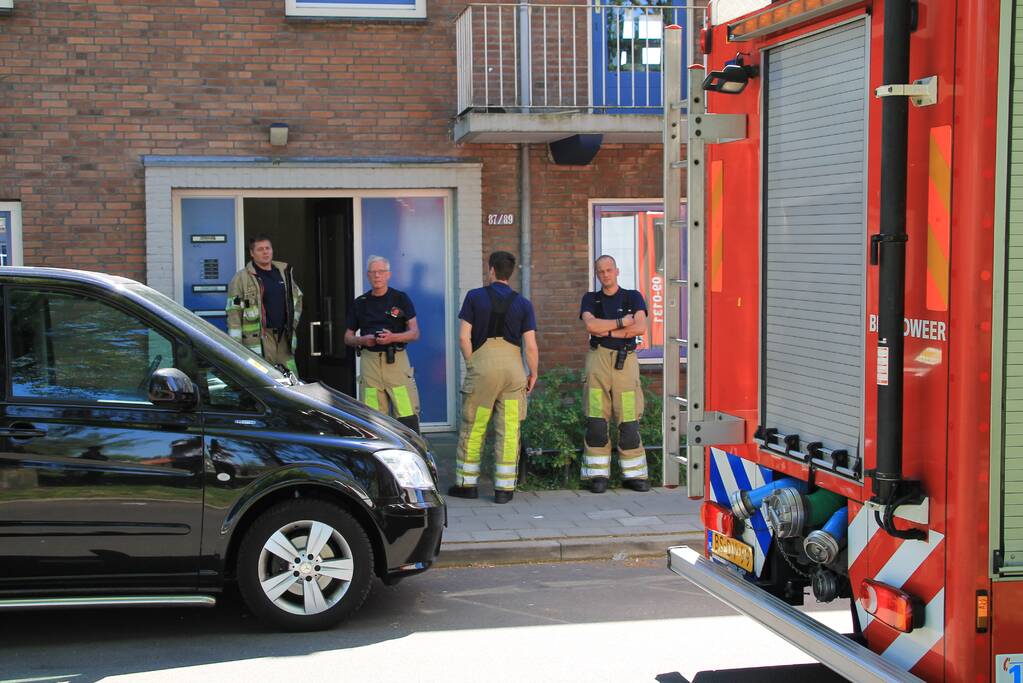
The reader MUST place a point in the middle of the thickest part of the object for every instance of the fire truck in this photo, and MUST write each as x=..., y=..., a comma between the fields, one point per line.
x=852, y=296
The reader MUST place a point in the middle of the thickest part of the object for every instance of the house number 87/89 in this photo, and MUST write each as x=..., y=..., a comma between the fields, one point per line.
x=500, y=219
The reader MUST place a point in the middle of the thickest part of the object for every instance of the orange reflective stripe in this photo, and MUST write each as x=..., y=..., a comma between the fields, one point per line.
x=717, y=225
x=939, y=217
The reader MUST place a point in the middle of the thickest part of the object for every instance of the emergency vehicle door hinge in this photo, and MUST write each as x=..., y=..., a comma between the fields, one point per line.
x=922, y=92
x=716, y=429
x=998, y=560
x=717, y=128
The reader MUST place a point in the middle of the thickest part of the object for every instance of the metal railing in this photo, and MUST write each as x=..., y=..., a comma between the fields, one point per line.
x=549, y=57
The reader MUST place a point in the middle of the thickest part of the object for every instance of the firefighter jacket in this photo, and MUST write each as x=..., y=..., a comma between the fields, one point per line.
x=245, y=315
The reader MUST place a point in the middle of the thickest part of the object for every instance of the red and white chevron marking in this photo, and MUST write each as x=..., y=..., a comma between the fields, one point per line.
x=918, y=568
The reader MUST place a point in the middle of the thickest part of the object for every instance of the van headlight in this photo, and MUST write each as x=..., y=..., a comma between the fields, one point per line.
x=408, y=468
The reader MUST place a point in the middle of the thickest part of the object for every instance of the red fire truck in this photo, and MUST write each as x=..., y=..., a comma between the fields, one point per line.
x=854, y=353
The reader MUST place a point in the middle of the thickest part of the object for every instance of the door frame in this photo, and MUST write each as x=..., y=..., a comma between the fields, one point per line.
x=240, y=195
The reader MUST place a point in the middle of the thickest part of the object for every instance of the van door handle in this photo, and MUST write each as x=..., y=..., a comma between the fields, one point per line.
x=312, y=338
x=21, y=430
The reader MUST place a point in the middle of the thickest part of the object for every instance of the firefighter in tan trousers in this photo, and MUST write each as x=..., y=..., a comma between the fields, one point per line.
x=380, y=323
x=614, y=317
x=496, y=325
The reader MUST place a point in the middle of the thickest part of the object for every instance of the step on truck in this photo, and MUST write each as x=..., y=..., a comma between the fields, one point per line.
x=852, y=412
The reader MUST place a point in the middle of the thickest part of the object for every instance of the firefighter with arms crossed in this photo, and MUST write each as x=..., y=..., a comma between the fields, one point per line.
x=614, y=317
x=264, y=305
x=381, y=322
x=496, y=324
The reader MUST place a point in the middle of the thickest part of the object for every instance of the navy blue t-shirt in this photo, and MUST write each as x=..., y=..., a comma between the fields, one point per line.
x=371, y=314
x=620, y=304
x=476, y=309
x=274, y=297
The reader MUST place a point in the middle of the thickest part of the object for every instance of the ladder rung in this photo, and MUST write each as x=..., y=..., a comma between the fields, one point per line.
x=679, y=340
x=680, y=459
x=681, y=283
x=682, y=400
x=678, y=221
x=678, y=164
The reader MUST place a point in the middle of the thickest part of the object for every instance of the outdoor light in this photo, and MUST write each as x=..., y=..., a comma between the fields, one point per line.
x=732, y=79
x=278, y=134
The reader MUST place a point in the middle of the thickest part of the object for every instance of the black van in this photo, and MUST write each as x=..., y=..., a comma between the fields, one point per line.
x=147, y=458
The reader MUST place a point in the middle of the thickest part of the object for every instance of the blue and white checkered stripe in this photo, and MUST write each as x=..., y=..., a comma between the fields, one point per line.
x=730, y=473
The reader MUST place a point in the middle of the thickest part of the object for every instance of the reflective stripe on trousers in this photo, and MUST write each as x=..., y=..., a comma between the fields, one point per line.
x=616, y=397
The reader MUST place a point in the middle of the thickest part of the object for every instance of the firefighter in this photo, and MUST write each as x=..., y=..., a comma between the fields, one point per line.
x=497, y=323
x=382, y=322
x=614, y=317
x=264, y=304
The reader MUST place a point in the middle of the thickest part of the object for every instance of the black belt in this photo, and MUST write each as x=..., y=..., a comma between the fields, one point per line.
x=383, y=349
x=612, y=348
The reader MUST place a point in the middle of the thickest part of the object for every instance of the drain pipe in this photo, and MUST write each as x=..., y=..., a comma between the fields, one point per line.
x=525, y=222
x=888, y=252
x=526, y=93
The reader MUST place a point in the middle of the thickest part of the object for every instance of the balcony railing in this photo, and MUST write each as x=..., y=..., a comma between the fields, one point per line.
x=536, y=58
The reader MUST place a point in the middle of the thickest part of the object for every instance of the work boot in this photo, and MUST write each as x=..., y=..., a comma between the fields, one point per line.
x=598, y=484
x=470, y=492
x=501, y=497
x=637, y=484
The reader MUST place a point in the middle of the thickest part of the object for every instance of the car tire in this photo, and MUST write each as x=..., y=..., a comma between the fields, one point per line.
x=325, y=582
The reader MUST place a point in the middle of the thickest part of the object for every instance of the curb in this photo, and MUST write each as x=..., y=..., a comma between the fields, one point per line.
x=563, y=549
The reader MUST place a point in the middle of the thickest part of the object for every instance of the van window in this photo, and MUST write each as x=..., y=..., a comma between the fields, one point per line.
x=72, y=347
x=223, y=393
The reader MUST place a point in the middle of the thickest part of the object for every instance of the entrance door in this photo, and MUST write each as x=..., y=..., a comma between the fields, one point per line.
x=330, y=360
x=314, y=236
x=626, y=65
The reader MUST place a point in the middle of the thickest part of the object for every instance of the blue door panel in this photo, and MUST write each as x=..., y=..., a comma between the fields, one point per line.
x=410, y=233
x=208, y=255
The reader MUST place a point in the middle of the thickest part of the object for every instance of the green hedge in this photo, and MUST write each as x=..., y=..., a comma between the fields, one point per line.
x=556, y=423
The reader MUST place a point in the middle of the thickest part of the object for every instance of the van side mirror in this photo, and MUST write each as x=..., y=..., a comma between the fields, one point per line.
x=171, y=388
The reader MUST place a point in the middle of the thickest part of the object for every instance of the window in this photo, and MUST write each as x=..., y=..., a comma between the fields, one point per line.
x=68, y=346
x=10, y=232
x=633, y=235
x=634, y=34
x=223, y=393
x=367, y=9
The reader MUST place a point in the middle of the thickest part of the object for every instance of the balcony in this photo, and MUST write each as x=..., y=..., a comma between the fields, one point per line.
x=544, y=72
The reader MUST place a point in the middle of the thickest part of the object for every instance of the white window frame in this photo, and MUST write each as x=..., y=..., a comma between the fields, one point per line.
x=17, y=252
x=360, y=10
x=6, y=6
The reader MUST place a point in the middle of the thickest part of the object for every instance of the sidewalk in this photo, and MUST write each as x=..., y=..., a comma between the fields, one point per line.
x=553, y=526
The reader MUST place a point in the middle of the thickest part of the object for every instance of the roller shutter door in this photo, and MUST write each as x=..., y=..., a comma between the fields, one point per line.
x=1012, y=464
x=814, y=241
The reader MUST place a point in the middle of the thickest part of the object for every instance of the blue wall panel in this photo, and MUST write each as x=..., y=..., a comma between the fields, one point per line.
x=208, y=255
x=410, y=233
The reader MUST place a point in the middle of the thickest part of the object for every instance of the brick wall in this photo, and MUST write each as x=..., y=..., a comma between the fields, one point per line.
x=89, y=88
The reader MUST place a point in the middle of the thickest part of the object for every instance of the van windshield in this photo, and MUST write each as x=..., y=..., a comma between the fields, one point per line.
x=254, y=360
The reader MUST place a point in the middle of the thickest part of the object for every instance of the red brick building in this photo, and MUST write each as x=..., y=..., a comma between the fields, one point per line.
x=135, y=139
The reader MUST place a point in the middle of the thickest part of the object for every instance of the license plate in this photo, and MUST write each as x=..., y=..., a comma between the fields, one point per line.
x=738, y=553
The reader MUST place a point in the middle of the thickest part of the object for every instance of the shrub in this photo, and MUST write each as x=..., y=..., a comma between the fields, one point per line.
x=555, y=424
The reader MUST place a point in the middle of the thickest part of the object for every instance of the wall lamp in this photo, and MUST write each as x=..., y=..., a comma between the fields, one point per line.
x=278, y=134
x=732, y=79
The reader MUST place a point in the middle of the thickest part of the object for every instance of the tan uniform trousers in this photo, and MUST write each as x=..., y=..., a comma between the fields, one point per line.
x=389, y=388
x=276, y=350
x=612, y=393
x=494, y=385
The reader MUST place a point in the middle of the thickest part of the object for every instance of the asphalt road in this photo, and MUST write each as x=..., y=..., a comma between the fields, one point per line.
x=592, y=621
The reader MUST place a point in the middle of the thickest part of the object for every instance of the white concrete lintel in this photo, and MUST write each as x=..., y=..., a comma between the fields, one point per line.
x=481, y=127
